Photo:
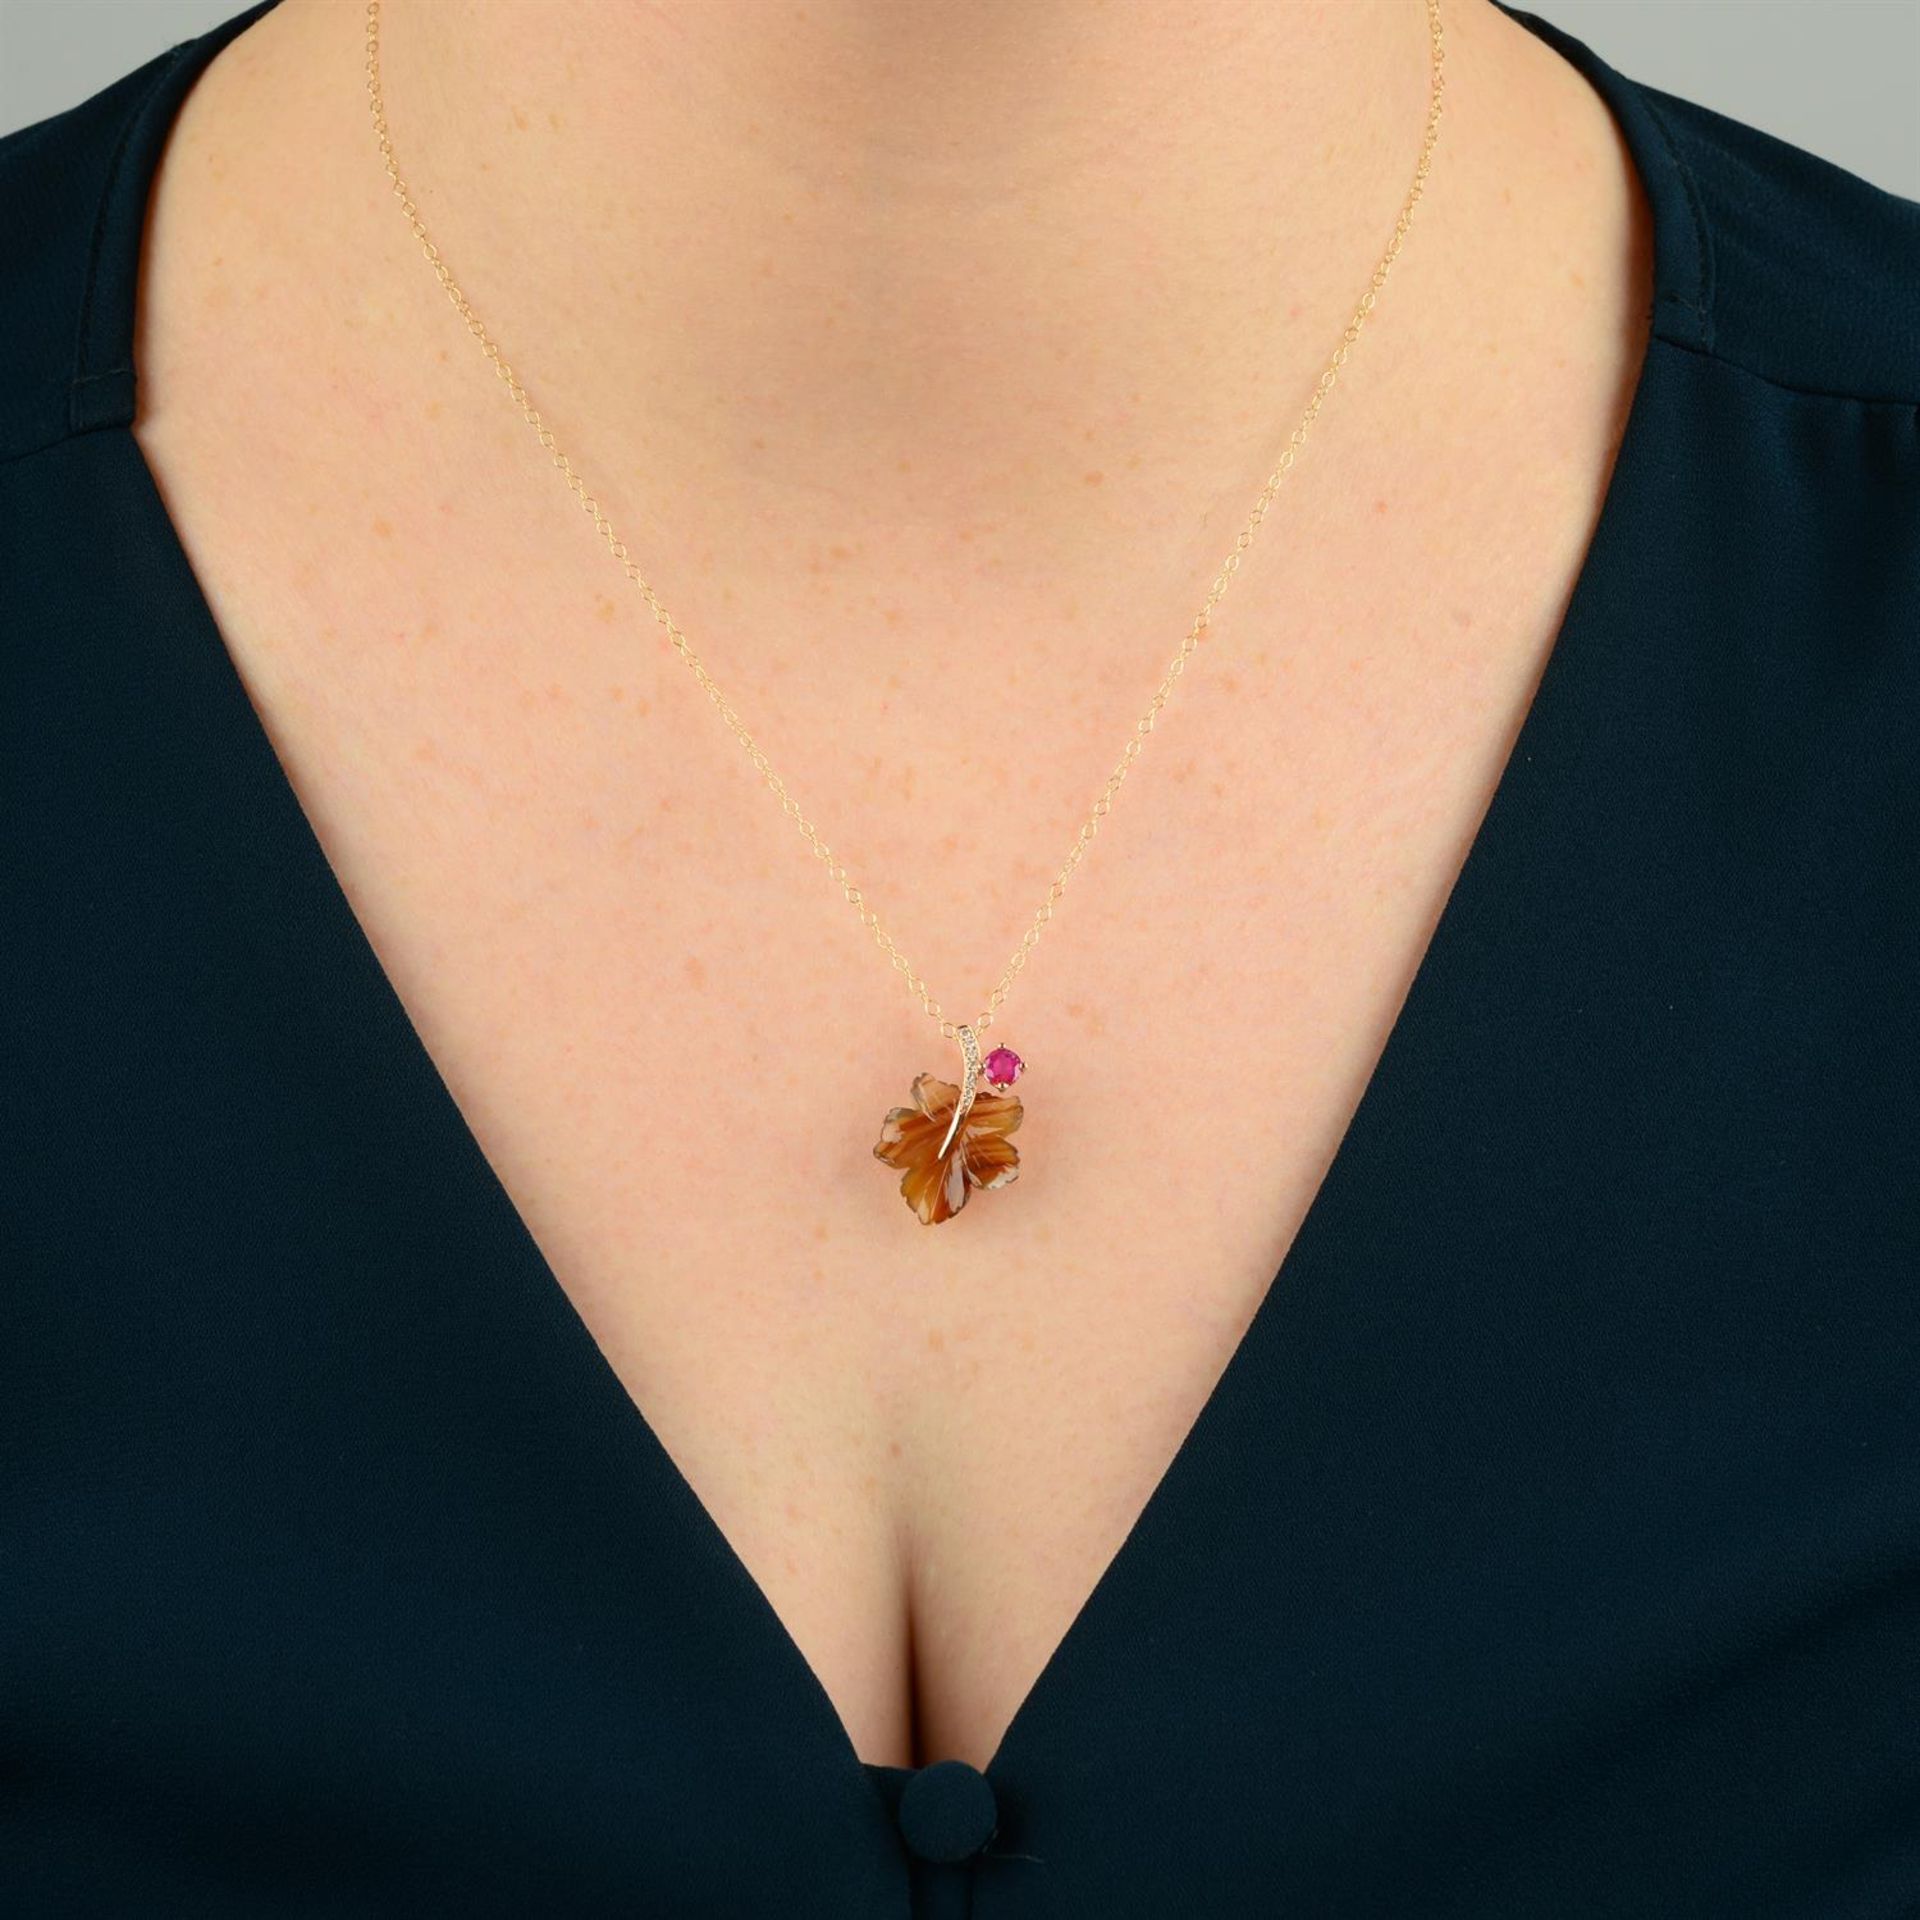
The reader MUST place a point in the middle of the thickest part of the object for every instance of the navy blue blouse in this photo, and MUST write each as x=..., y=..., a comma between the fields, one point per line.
x=1550, y=1546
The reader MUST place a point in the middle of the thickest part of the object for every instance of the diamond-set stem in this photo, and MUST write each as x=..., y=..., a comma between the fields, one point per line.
x=969, y=1080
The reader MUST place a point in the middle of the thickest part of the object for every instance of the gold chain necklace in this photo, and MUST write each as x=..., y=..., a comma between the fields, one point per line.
x=952, y=1139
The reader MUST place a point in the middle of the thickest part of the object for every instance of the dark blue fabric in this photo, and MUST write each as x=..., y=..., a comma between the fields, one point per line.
x=1551, y=1546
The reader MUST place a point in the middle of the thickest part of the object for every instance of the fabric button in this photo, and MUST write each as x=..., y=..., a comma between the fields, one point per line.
x=948, y=1812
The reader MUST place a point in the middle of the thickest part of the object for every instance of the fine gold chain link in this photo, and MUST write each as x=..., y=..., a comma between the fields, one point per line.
x=1196, y=632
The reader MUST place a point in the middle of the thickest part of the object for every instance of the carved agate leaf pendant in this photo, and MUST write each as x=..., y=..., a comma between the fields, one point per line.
x=953, y=1139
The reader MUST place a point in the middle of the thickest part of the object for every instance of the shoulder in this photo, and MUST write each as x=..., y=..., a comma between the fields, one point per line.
x=73, y=199
x=54, y=178
x=1810, y=275
x=1770, y=259
x=1756, y=570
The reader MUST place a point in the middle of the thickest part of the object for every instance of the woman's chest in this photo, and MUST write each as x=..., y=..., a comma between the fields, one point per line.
x=1561, y=1490
x=1563, y=1478
x=675, y=1045
x=627, y=1053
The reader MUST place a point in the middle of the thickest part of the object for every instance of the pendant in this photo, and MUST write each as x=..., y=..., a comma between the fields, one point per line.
x=953, y=1139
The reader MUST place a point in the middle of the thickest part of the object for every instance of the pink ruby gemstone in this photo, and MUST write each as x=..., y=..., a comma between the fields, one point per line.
x=1003, y=1067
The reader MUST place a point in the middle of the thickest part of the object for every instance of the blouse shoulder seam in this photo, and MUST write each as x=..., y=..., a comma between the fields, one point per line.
x=1767, y=217
x=74, y=377
x=79, y=418
x=1899, y=402
x=1700, y=308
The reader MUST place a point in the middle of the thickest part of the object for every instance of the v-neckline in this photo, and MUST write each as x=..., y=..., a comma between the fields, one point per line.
x=1545, y=749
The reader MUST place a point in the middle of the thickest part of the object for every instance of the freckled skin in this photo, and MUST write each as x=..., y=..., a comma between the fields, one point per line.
x=935, y=501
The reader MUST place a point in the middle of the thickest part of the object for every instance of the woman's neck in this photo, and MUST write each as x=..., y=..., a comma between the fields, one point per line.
x=857, y=248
